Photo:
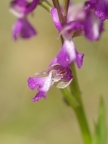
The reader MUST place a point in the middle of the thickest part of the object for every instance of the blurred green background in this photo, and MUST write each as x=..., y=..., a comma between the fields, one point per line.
x=49, y=121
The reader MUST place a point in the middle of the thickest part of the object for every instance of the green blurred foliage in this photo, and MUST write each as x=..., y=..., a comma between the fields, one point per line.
x=100, y=136
x=48, y=121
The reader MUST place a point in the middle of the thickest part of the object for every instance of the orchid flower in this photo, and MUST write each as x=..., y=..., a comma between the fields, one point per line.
x=43, y=81
x=68, y=52
x=21, y=8
x=81, y=20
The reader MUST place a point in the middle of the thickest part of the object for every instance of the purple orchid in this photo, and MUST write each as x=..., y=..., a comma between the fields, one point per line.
x=21, y=8
x=43, y=81
x=81, y=19
x=68, y=52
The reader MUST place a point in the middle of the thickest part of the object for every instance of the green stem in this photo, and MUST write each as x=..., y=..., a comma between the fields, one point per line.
x=79, y=111
x=83, y=124
x=70, y=99
x=74, y=87
x=66, y=5
x=46, y=5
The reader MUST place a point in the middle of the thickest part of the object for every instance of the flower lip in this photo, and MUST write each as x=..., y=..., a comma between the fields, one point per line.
x=23, y=29
x=42, y=84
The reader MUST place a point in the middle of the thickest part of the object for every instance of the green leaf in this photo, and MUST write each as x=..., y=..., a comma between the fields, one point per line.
x=100, y=128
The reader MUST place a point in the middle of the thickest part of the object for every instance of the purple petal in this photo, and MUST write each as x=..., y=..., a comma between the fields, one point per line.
x=20, y=3
x=79, y=59
x=43, y=85
x=32, y=83
x=20, y=8
x=93, y=27
x=66, y=55
x=55, y=18
x=101, y=9
x=38, y=96
x=32, y=6
x=23, y=29
x=76, y=12
x=16, y=29
x=55, y=74
x=70, y=28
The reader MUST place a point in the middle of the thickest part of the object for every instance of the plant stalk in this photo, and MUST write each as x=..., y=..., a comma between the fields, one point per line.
x=46, y=5
x=79, y=111
x=66, y=5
